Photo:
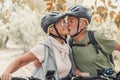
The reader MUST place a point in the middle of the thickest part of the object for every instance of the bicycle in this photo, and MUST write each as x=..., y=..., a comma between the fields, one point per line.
x=49, y=76
x=102, y=74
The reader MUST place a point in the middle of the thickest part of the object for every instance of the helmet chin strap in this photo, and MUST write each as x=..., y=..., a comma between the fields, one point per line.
x=78, y=32
x=59, y=36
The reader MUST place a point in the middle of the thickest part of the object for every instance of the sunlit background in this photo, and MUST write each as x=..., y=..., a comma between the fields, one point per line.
x=20, y=23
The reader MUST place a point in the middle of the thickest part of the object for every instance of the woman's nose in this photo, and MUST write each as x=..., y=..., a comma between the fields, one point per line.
x=66, y=24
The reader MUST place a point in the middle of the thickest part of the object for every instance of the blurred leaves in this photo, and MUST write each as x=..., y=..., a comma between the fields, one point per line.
x=103, y=1
x=33, y=4
x=50, y=6
x=1, y=0
x=101, y=14
x=92, y=7
x=102, y=11
x=110, y=4
x=95, y=2
x=14, y=1
x=117, y=20
x=55, y=5
x=5, y=16
x=23, y=18
x=112, y=14
x=19, y=22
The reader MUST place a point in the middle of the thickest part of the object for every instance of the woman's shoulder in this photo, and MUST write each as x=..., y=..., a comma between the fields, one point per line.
x=45, y=42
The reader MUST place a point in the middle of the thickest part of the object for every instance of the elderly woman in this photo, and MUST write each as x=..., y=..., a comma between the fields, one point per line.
x=53, y=53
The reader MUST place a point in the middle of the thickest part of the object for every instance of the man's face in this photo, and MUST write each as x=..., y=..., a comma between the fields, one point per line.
x=72, y=25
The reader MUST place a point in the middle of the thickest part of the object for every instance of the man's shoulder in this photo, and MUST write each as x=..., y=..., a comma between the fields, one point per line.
x=98, y=34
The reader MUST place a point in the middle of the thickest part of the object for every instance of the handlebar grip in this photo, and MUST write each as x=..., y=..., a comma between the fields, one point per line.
x=88, y=78
x=16, y=78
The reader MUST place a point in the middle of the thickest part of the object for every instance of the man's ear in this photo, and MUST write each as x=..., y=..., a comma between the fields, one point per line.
x=83, y=23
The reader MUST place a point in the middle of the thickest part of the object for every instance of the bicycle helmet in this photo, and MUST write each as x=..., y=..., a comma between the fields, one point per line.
x=52, y=18
x=49, y=19
x=80, y=12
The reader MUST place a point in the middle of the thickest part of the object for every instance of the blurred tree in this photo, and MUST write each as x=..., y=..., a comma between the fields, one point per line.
x=14, y=1
x=102, y=11
x=112, y=15
x=22, y=17
x=50, y=6
x=18, y=20
x=117, y=20
x=55, y=5
x=1, y=0
x=5, y=16
x=110, y=4
x=103, y=1
x=60, y=5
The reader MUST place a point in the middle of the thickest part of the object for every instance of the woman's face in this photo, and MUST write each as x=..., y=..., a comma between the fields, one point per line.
x=61, y=26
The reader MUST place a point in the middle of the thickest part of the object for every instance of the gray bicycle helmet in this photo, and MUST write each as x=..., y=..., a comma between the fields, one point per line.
x=49, y=19
x=80, y=12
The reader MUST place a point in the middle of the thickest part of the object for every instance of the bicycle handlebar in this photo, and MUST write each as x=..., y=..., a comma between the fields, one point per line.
x=99, y=77
x=27, y=78
x=89, y=78
x=73, y=77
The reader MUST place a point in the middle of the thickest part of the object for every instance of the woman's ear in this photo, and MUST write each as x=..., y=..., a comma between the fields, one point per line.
x=52, y=30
